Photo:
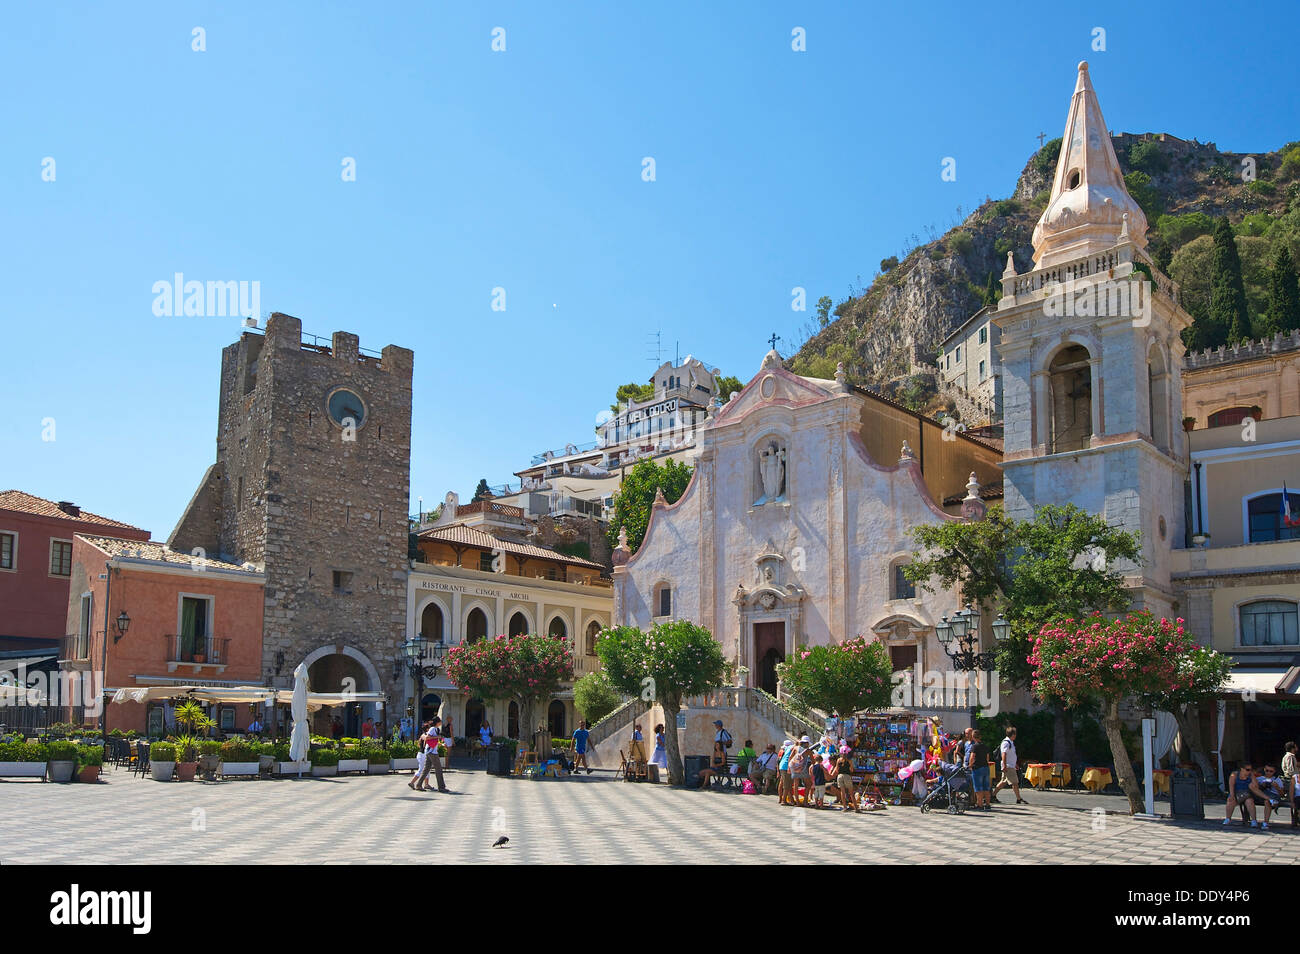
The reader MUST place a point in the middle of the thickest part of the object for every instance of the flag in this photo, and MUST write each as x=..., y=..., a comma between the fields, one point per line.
x=1287, y=519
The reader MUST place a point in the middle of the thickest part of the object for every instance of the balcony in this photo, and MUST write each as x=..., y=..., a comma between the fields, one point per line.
x=74, y=648
x=195, y=651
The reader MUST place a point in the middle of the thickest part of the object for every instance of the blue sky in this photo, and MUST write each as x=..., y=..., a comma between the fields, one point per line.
x=522, y=170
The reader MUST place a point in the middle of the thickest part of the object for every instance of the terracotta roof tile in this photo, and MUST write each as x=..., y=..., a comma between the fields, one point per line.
x=27, y=503
x=155, y=551
x=462, y=535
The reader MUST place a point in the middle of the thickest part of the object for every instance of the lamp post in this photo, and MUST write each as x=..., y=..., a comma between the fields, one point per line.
x=416, y=651
x=960, y=639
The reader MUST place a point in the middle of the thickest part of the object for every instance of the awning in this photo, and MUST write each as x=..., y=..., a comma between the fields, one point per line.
x=25, y=662
x=1256, y=681
x=327, y=700
x=237, y=694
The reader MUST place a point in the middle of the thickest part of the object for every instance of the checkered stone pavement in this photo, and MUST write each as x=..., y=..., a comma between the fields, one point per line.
x=585, y=819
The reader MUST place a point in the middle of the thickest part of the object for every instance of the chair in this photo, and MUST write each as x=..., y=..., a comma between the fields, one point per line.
x=1057, y=778
x=142, y=757
x=523, y=759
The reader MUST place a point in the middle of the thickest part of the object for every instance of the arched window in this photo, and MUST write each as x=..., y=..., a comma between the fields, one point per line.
x=1270, y=623
x=593, y=630
x=1158, y=399
x=901, y=588
x=431, y=623
x=557, y=628
x=663, y=600
x=518, y=625
x=1266, y=518
x=475, y=625
x=555, y=719
x=1231, y=416
x=1071, y=399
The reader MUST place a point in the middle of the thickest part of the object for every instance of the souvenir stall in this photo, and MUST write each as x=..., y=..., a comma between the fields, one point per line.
x=882, y=744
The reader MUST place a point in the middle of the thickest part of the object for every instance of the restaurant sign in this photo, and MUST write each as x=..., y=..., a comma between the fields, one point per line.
x=474, y=589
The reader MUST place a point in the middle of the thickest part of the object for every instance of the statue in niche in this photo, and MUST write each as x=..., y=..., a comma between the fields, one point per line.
x=771, y=469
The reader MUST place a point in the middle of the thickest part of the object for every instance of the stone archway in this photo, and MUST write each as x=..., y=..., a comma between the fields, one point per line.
x=328, y=668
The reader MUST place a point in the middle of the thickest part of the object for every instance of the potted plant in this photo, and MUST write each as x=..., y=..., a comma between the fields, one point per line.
x=377, y=758
x=194, y=720
x=353, y=758
x=23, y=759
x=209, y=757
x=1189, y=423
x=63, y=761
x=239, y=758
x=1256, y=412
x=325, y=762
x=162, y=761
x=90, y=758
x=404, y=756
x=187, y=757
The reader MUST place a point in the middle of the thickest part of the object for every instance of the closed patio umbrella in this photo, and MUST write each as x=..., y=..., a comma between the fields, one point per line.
x=300, y=740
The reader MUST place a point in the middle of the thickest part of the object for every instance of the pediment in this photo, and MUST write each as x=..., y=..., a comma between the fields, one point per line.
x=774, y=387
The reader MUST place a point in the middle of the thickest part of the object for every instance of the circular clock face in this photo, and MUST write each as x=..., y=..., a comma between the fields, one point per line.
x=344, y=404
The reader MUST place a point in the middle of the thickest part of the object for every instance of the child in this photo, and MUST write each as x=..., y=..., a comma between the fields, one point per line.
x=817, y=776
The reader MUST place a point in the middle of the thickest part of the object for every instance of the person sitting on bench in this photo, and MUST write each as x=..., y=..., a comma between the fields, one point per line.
x=762, y=770
x=1271, y=791
x=1242, y=790
x=717, y=764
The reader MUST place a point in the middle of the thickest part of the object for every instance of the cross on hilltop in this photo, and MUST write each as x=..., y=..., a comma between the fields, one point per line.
x=773, y=340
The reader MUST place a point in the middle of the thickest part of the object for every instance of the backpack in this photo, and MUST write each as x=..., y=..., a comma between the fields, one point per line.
x=726, y=739
x=747, y=788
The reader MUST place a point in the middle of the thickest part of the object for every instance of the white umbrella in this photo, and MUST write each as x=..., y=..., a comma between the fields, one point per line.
x=300, y=740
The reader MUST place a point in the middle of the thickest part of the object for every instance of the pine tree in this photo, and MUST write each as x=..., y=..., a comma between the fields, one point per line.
x=992, y=291
x=1283, y=312
x=481, y=492
x=1229, y=320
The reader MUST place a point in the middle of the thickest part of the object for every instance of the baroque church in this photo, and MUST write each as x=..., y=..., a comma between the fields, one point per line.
x=795, y=525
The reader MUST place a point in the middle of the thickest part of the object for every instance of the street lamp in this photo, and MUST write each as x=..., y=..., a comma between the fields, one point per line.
x=960, y=639
x=123, y=623
x=416, y=651
x=1001, y=628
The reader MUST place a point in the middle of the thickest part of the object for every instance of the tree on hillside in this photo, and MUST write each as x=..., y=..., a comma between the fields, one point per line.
x=632, y=393
x=1228, y=316
x=1063, y=567
x=636, y=497
x=666, y=665
x=824, y=309
x=481, y=492
x=727, y=385
x=1283, y=310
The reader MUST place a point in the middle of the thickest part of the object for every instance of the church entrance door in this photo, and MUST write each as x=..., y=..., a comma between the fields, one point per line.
x=769, y=649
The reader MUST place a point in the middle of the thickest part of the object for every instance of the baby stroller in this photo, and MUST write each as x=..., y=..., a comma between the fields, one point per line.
x=951, y=791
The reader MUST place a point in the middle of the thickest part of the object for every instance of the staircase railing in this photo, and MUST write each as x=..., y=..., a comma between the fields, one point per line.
x=620, y=718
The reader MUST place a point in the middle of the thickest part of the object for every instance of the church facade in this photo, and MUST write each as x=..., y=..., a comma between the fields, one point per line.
x=794, y=527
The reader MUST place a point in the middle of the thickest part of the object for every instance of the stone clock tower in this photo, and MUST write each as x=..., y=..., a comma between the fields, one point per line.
x=1091, y=359
x=311, y=481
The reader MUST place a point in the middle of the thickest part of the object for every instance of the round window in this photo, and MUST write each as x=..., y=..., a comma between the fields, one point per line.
x=346, y=407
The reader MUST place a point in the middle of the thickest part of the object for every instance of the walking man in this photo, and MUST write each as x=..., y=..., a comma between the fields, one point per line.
x=429, y=745
x=1010, y=762
x=580, y=735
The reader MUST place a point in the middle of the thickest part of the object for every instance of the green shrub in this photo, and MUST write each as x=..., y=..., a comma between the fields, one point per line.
x=24, y=752
x=594, y=697
x=1260, y=187
x=239, y=751
x=1045, y=159
x=1004, y=207
x=63, y=752
x=89, y=755
x=403, y=750
x=1147, y=156
x=162, y=752
x=373, y=752
x=209, y=747
x=961, y=242
x=325, y=757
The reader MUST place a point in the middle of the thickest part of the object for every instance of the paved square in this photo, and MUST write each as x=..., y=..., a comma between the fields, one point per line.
x=596, y=820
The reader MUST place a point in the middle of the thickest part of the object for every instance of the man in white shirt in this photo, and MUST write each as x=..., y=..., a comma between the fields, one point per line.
x=763, y=769
x=1010, y=778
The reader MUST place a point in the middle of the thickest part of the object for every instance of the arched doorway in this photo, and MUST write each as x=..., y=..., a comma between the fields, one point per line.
x=429, y=706
x=338, y=672
x=475, y=625
x=767, y=670
x=555, y=719
x=518, y=625
x=512, y=721
x=431, y=627
x=475, y=715
x=557, y=628
x=593, y=630
x=769, y=649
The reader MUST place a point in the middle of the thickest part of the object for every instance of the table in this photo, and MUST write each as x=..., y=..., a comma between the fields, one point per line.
x=1039, y=774
x=1096, y=778
x=1162, y=777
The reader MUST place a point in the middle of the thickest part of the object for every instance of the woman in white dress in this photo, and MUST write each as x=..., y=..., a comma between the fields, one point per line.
x=660, y=756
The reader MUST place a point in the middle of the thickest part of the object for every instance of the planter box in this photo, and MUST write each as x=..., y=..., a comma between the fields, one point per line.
x=266, y=763
x=62, y=771
x=185, y=771
x=88, y=773
x=240, y=768
x=405, y=765
x=22, y=770
x=324, y=771
x=353, y=765
x=293, y=768
x=162, y=771
x=379, y=768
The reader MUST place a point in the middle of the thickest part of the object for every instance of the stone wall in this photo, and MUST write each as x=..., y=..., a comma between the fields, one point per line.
x=567, y=529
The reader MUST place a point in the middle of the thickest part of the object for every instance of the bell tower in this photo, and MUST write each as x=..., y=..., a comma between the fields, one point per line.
x=1091, y=354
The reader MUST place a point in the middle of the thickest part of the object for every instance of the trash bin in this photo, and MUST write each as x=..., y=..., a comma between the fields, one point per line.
x=693, y=765
x=1185, y=795
x=498, y=760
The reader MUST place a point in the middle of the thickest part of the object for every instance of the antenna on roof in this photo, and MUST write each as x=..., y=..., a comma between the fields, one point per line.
x=657, y=347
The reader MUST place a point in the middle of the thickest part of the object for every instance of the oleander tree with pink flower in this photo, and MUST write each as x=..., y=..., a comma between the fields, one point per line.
x=1150, y=661
x=528, y=669
x=841, y=679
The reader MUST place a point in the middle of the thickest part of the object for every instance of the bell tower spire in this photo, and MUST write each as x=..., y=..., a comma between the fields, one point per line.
x=1089, y=200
